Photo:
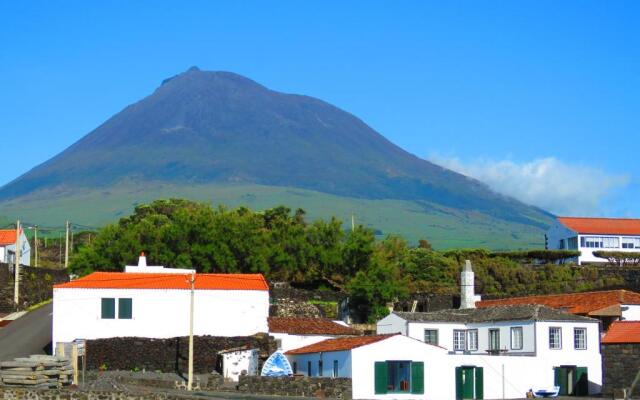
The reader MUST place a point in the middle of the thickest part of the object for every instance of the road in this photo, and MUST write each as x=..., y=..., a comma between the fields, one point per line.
x=27, y=335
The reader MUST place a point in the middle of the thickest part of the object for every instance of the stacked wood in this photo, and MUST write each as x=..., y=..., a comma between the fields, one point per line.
x=36, y=372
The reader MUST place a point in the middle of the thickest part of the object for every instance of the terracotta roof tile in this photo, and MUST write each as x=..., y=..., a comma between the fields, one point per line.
x=339, y=344
x=623, y=332
x=7, y=236
x=586, y=303
x=309, y=326
x=605, y=226
x=130, y=280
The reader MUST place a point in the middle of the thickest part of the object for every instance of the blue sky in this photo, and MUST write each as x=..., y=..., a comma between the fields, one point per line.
x=539, y=99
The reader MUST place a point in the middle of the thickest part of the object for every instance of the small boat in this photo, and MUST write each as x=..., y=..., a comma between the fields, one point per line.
x=547, y=392
x=276, y=365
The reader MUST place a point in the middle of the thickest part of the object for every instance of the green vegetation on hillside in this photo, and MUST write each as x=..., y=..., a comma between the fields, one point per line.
x=284, y=246
x=444, y=227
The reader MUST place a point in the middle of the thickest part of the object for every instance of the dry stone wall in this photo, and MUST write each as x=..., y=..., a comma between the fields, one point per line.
x=621, y=363
x=170, y=355
x=36, y=285
x=332, y=388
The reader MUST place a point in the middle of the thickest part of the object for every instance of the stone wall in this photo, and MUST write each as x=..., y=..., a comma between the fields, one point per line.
x=30, y=394
x=333, y=388
x=621, y=363
x=36, y=285
x=292, y=302
x=170, y=355
x=427, y=302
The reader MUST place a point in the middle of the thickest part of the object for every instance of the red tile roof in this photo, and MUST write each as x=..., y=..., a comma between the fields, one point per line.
x=339, y=344
x=7, y=236
x=603, y=226
x=623, y=332
x=130, y=280
x=309, y=326
x=586, y=303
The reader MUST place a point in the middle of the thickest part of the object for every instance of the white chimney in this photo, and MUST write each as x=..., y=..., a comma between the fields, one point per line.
x=467, y=289
x=142, y=261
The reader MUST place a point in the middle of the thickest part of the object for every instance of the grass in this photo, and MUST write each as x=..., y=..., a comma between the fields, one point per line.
x=36, y=306
x=444, y=227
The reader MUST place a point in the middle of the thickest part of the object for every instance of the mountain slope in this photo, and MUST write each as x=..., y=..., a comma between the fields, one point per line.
x=204, y=128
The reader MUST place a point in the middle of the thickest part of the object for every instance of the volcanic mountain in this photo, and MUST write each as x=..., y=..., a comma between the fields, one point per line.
x=222, y=137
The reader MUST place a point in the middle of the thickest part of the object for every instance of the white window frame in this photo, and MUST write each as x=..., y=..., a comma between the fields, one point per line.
x=552, y=344
x=584, y=338
x=519, y=340
x=631, y=242
x=472, y=339
x=459, y=340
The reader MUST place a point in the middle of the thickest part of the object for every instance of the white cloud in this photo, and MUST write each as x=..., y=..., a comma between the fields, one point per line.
x=548, y=183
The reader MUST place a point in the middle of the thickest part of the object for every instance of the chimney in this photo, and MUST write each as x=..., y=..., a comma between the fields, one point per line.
x=467, y=289
x=142, y=261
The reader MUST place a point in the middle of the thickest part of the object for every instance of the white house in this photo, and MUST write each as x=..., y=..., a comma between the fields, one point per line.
x=381, y=366
x=293, y=332
x=156, y=305
x=8, y=247
x=592, y=234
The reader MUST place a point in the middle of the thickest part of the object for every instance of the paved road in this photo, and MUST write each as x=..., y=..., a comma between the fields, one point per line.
x=27, y=335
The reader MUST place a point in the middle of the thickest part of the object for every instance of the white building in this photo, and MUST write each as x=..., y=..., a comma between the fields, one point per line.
x=293, y=332
x=539, y=347
x=8, y=247
x=593, y=234
x=156, y=305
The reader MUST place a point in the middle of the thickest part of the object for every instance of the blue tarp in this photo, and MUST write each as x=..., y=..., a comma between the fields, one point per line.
x=276, y=365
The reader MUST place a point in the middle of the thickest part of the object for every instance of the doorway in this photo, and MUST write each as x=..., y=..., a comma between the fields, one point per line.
x=469, y=382
x=572, y=380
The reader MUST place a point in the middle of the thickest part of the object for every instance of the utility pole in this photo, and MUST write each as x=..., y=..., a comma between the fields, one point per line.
x=16, y=280
x=35, y=242
x=192, y=282
x=353, y=222
x=66, y=246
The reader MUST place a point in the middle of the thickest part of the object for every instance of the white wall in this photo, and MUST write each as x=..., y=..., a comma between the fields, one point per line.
x=290, y=342
x=234, y=363
x=587, y=252
x=25, y=256
x=445, y=332
x=159, y=313
x=391, y=324
x=401, y=348
x=631, y=312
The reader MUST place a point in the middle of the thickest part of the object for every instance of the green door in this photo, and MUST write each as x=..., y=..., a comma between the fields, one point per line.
x=465, y=383
x=560, y=379
x=582, y=382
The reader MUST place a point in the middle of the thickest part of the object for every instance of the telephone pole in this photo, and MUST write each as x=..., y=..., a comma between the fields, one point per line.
x=66, y=246
x=192, y=282
x=35, y=242
x=16, y=280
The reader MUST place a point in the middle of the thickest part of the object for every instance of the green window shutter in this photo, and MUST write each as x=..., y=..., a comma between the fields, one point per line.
x=108, y=308
x=479, y=383
x=458, y=383
x=417, y=377
x=582, y=382
x=124, y=308
x=381, y=377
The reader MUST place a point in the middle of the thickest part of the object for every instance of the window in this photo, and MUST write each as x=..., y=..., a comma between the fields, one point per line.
x=598, y=242
x=335, y=368
x=308, y=368
x=108, y=308
x=630, y=243
x=494, y=339
x=459, y=339
x=572, y=243
x=399, y=377
x=295, y=367
x=279, y=344
x=555, y=338
x=561, y=244
x=580, y=338
x=431, y=336
x=472, y=339
x=516, y=338
x=319, y=368
x=124, y=309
